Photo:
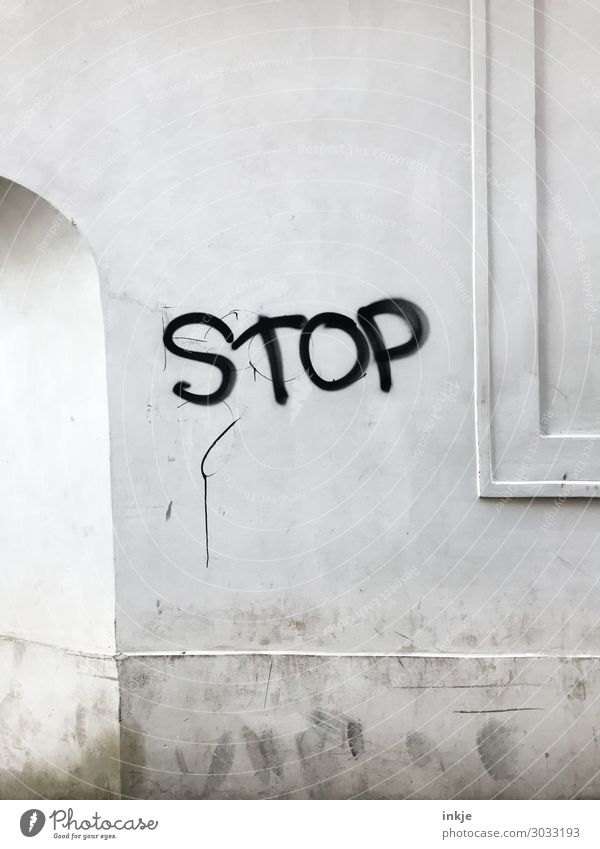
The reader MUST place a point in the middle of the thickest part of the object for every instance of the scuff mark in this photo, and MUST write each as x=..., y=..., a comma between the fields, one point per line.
x=420, y=748
x=498, y=710
x=181, y=761
x=354, y=735
x=578, y=690
x=262, y=753
x=252, y=741
x=205, y=477
x=496, y=750
x=310, y=745
x=268, y=684
x=269, y=752
x=220, y=764
x=168, y=513
x=328, y=722
x=80, y=725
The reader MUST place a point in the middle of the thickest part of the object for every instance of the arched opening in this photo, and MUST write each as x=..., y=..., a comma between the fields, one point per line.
x=57, y=587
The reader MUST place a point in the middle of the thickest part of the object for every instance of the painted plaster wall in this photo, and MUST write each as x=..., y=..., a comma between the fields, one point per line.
x=297, y=157
x=59, y=723
x=261, y=726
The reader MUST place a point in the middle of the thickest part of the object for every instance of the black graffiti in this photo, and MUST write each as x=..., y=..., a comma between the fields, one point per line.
x=414, y=317
x=365, y=334
x=224, y=364
x=205, y=478
x=266, y=327
x=339, y=322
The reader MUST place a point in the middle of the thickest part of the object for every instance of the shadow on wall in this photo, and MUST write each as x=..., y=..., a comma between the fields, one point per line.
x=58, y=688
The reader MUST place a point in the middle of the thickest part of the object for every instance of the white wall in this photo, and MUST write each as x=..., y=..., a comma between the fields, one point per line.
x=291, y=156
x=59, y=721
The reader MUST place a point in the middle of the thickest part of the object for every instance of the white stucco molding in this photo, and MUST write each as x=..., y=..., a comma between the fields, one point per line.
x=518, y=454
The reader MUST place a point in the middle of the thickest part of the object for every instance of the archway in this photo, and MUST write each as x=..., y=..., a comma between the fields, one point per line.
x=57, y=586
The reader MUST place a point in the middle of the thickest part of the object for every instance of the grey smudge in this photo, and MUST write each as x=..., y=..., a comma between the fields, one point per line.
x=220, y=764
x=309, y=743
x=468, y=638
x=354, y=735
x=263, y=754
x=495, y=746
x=420, y=748
x=80, y=725
x=168, y=513
x=181, y=761
x=326, y=722
x=311, y=746
x=269, y=752
x=257, y=758
x=578, y=690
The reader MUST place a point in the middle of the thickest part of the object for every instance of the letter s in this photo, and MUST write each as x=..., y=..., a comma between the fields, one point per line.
x=224, y=365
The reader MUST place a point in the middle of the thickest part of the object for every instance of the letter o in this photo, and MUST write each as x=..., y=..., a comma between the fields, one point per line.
x=334, y=321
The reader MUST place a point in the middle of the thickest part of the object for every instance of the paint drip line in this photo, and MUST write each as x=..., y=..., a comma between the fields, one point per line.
x=205, y=478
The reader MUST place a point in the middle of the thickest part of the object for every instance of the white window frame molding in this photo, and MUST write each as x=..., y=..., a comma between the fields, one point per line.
x=557, y=467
